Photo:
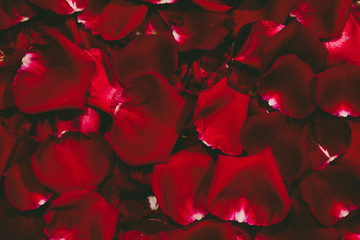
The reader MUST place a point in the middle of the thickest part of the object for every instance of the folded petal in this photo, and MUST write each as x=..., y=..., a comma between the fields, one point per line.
x=62, y=6
x=324, y=18
x=248, y=189
x=147, y=121
x=23, y=191
x=72, y=162
x=53, y=75
x=14, y=12
x=81, y=214
x=277, y=131
x=176, y=184
x=213, y=5
x=113, y=21
x=219, y=115
x=332, y=193
x=152, y=53
x=337, y=90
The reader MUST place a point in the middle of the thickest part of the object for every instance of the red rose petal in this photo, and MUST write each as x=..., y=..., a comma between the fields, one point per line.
x=176, y=184
x=213, y=5
x=278, y=131
x=286, y=87
x=62, y=6
x=146, y=123
x=352, y=155
x=71, y=162
x=332, y=193
x=7, y=99
x=113, y=21
x=57, y=74
x=345, y=47
x=14, y=12
x=8, y=141
x=219, y=115
x=337, y=90
x=249, y=189
x=324, y=18
x=81, y=214
x=22, y=189
x=145, y=54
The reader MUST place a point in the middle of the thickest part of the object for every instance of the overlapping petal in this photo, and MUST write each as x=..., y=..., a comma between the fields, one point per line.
x=62, y=6
x=13, y=12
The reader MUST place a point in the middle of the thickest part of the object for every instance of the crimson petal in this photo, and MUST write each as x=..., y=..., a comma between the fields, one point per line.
x=213, y=5
x=337, y=90
x=8, y=142
x=249, y=189
x=22, y=189
x=144, y=54
x=332, y=193
x=176, y=184
x=62, y=6
x=81, y=214
x=219, y=115
x=113, y=21
x=146, y=122
x=57, y=74
x=72, y=162
x=13, y=12
x=324, y=18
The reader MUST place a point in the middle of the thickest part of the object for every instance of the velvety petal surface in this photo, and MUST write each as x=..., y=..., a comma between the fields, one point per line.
x=62, y=6
x=219, y=114
x=72, y=161
x=13, y=12
x=213, y=5
x=249, y=189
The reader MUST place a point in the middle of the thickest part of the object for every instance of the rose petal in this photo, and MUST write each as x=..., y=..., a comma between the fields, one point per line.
x=219, y=115
x=81, y=214
x=332, y=193
x=146, y=123
x=22, y=189
x=115, y=20
x=144, y=54
x=286, y=87
x=72, y=162
x=352, y=155
x=57, y=74
x=337, y=90
x=14, y=12
x=248, y=189
x=7, y=96
x=324, y=18
x=8, y=141
x=278, y=131
x=62, y=6
x=176, y=184
x=213, y=5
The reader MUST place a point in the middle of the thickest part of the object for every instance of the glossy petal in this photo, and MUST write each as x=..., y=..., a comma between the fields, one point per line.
x=57, y=74
x=286, y=87
x=62, y=6
x=144, y=54
x=219, y=115
x=176, y=184
x=113, y=21
x=249, y=189
x=72, y=162
x=13, y=12
x=332, y=193
x=146, y=124
x=81, y=214
x=22, y=189
x=278, y=131
x=337, y=90
x=324, y=18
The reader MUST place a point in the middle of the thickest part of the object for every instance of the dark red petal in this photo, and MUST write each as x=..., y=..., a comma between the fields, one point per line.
x=345, y=47
x=145, y=54
x=72, y=162
x=14, y=12
x=352, y=155
x=7, y=96
x=57, y=74
x=249, y=189
x=213, y=5
x=332, y=193
x=204, y=230
x=324, y=18
x=8, y=141
x=113, y=21
x=197, y=29
x=22, y=189
x=81, y=214
x=285, y=86
x=278, y=131
x=219, y=115
x=176, y=184
x=146, y=123
x=62, y=6
x=337, y=90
